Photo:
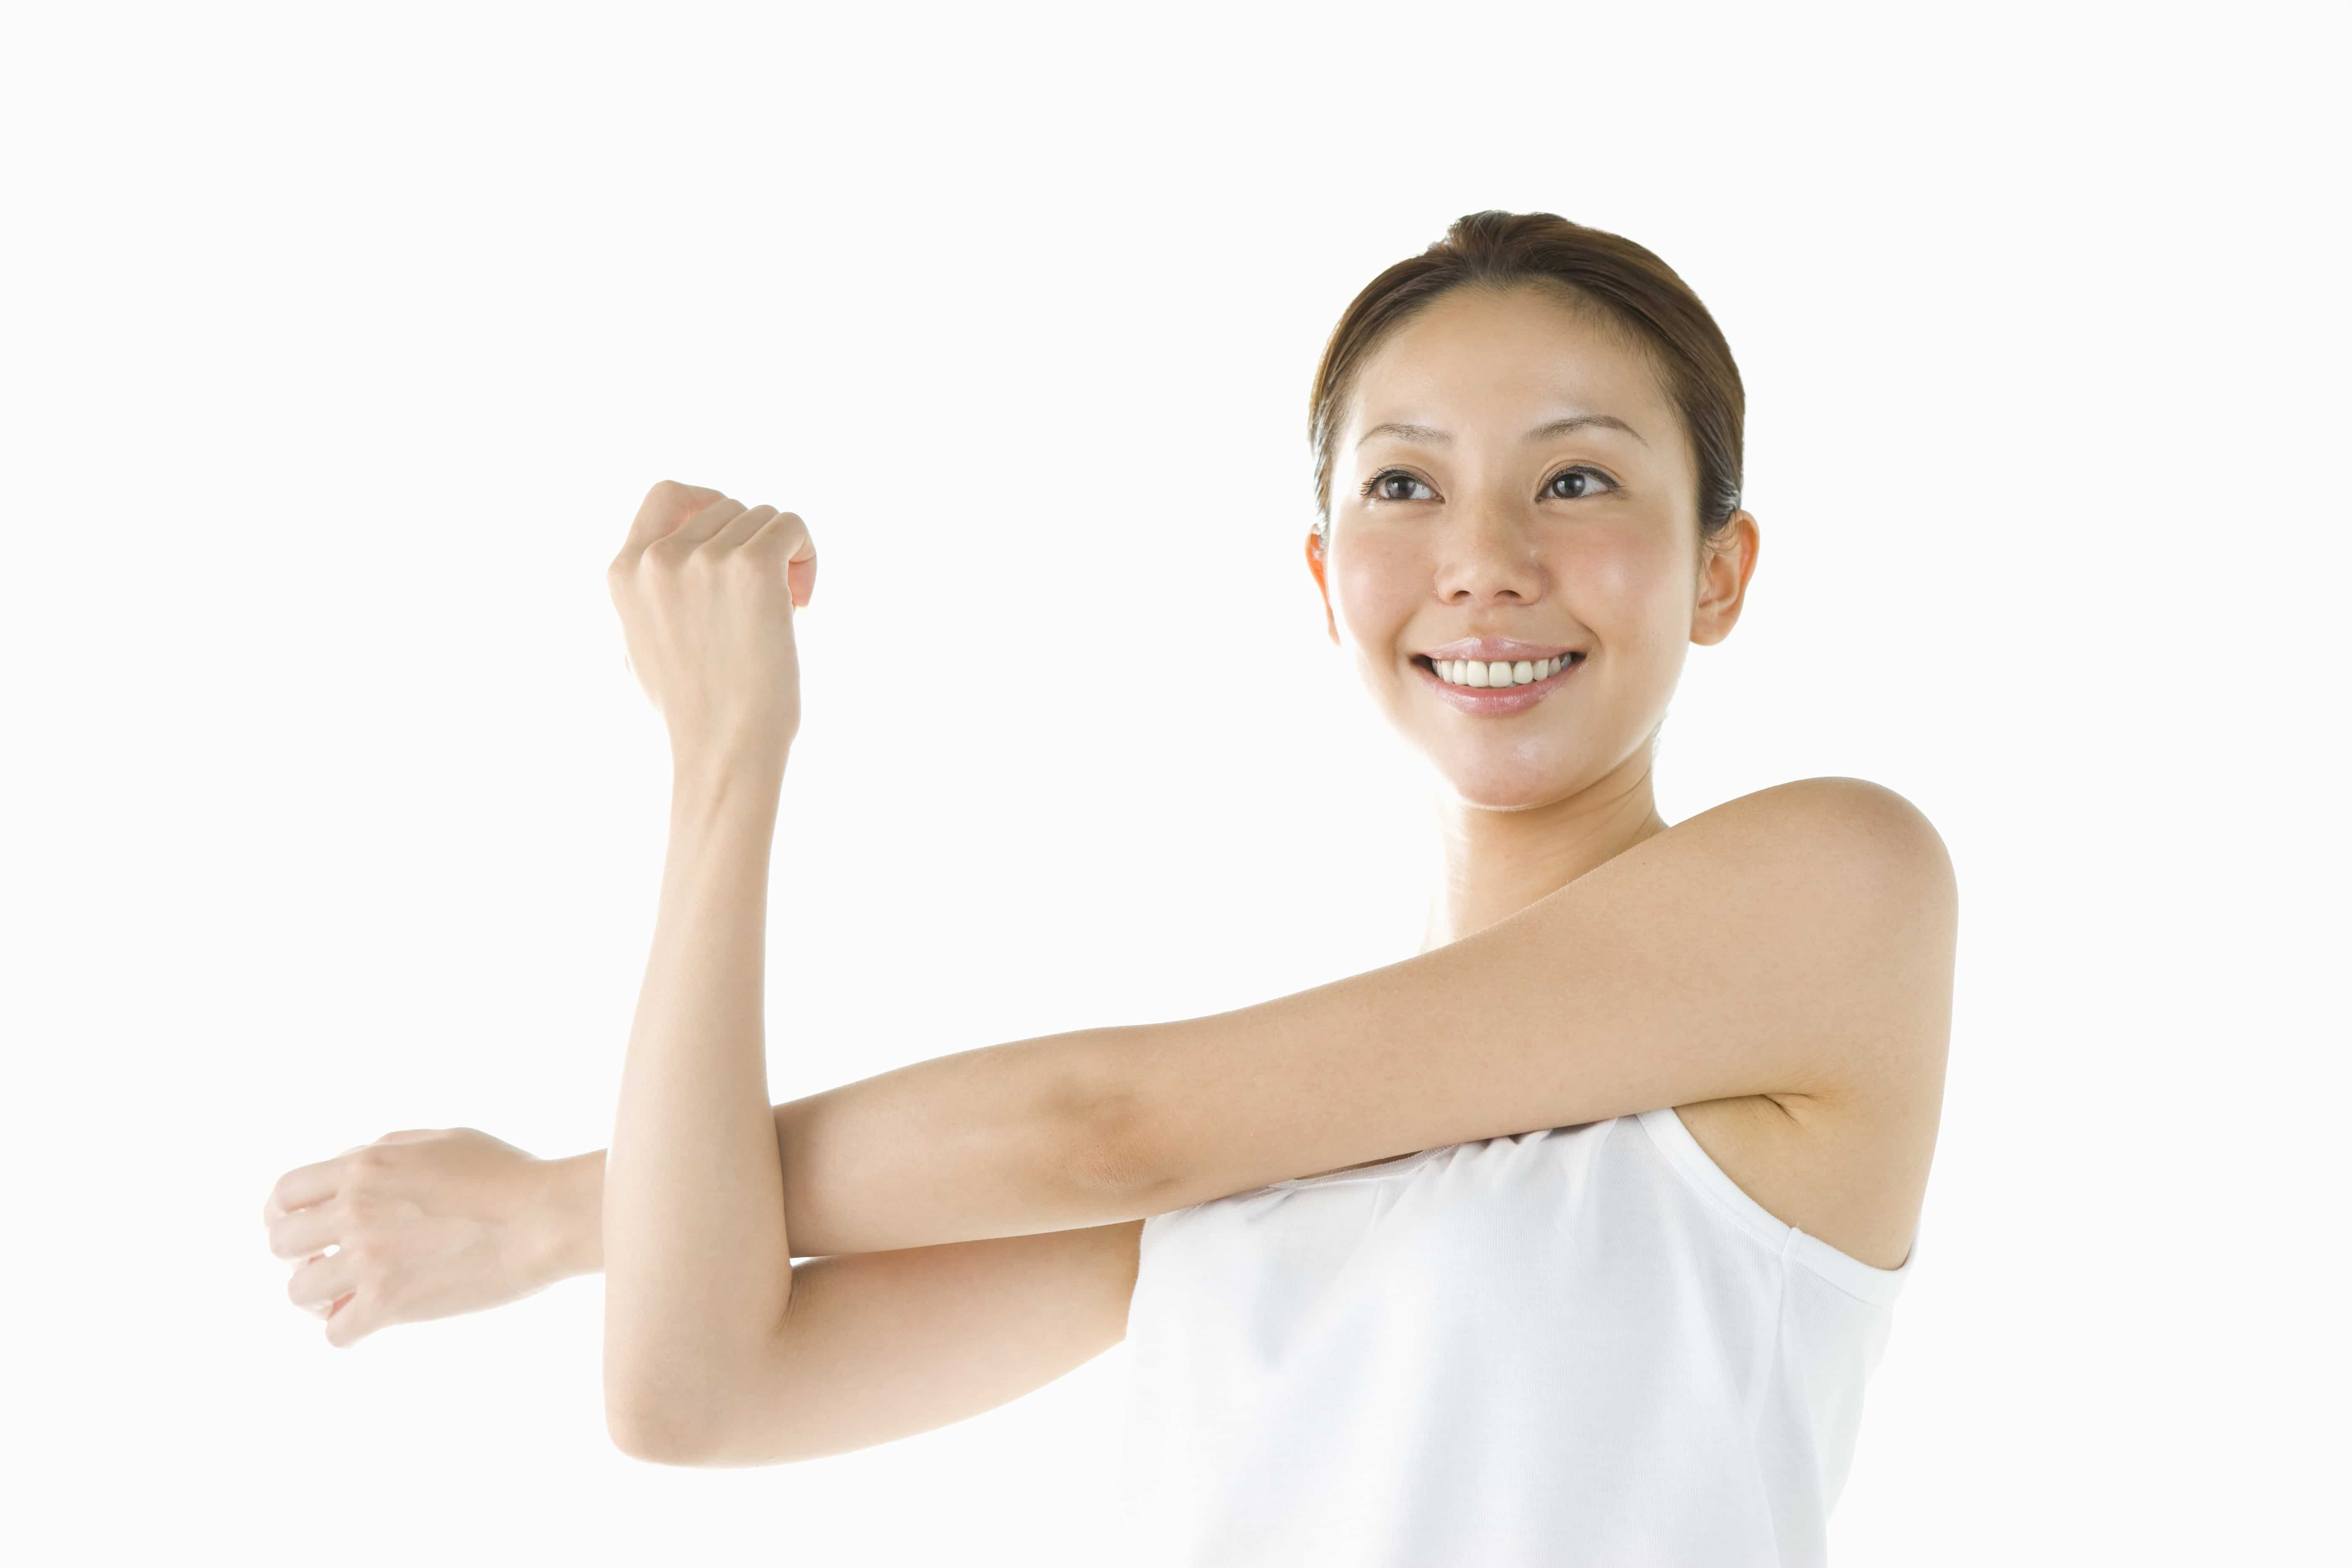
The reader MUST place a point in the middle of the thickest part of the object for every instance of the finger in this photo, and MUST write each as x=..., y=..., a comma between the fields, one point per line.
x=304, y=1185
x=322, y=1310
x=352, y=1320
x=787, y=536
x=698, y=529
x=665, y=507
x=412, y=1135
x=318, y=1281
x=305, y=1233
x=742, y=527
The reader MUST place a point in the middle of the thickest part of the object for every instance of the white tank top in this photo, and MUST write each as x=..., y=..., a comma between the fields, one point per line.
x=1584, y=1345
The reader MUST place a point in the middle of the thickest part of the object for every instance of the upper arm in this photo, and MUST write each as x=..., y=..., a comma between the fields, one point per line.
x=881, y=1345
x=1795, y=943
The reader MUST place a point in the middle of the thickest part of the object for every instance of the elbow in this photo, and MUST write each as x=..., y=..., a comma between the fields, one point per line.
x=662, y=1399
x=752, y=1436
x=655, y=1436
x=652, y=1414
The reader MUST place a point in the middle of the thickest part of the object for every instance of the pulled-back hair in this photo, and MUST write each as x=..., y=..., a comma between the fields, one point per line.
x=1631, y=287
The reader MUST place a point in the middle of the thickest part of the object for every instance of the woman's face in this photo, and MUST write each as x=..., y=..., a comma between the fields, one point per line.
x=1510, y=481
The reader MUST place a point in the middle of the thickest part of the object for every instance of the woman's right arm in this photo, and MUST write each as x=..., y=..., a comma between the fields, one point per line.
x=434, y=1223
x=881, y=1345
x=875, y=1345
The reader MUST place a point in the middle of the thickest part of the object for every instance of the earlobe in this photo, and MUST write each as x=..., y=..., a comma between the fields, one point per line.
x=1315, y=565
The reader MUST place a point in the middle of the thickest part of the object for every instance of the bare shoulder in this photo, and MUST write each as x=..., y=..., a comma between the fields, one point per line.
x=1862, y=885
x=1847, y=825
x=1869, y=876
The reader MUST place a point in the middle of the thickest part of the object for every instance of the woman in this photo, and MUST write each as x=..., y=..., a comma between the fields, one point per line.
x=1570, y=1239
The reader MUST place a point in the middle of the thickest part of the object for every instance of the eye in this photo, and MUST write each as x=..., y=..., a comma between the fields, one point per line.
x=1383, y=486
x=1585, y=482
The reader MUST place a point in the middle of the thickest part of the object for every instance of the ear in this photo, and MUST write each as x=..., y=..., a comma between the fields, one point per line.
x=1315, y=565
x=1724, y=569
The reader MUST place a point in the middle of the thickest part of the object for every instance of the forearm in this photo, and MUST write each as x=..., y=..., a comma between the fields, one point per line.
x=1004, y=1140
x=998, y=1141
x=697, y=1258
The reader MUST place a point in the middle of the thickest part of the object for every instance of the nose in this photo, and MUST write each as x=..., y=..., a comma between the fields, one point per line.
x=1487, y=549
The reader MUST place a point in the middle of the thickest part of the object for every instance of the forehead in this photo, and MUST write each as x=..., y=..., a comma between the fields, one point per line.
x=1476, y=355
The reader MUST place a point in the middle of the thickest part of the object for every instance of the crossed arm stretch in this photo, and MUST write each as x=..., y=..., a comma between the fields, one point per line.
x=1787, y=942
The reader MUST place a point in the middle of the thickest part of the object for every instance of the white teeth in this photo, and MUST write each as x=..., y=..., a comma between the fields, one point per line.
x=1496, y=673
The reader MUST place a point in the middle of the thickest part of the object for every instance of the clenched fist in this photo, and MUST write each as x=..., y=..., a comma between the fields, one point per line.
x=424, y=1224
x=706, y=588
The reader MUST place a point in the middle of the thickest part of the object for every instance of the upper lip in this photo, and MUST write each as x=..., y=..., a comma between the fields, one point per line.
x=1495, y=648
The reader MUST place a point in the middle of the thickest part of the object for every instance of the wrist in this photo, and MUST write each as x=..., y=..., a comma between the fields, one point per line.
x=570, y=1233
x=727, y=769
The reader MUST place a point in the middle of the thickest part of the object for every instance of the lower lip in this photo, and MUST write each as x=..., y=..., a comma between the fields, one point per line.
x=1498, y=698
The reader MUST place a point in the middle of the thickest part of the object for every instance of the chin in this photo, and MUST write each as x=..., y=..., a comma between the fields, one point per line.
x=1507, y=786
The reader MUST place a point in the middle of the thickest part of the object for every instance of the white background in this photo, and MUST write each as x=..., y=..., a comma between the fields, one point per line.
x=340, y=346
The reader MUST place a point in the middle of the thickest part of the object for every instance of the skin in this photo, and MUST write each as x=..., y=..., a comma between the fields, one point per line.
x=1779, y=967
x=1525, y=809
x=1480, y=548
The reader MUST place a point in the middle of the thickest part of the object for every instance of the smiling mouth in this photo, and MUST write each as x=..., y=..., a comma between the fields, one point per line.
x=1479, y=674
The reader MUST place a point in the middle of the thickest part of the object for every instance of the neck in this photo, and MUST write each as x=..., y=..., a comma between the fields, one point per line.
x=1497, y=862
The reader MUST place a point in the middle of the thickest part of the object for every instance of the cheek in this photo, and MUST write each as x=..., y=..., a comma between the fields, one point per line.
x=1373, y=585
x=1635, y=580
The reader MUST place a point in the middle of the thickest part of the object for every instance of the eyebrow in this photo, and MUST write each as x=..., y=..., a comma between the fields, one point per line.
x=1436, y=437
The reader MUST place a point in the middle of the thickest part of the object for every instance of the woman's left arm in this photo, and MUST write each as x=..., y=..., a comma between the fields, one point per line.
x=1796, y=943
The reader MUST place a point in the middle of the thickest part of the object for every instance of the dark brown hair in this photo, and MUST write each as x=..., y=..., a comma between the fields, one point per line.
x=1634, y=289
